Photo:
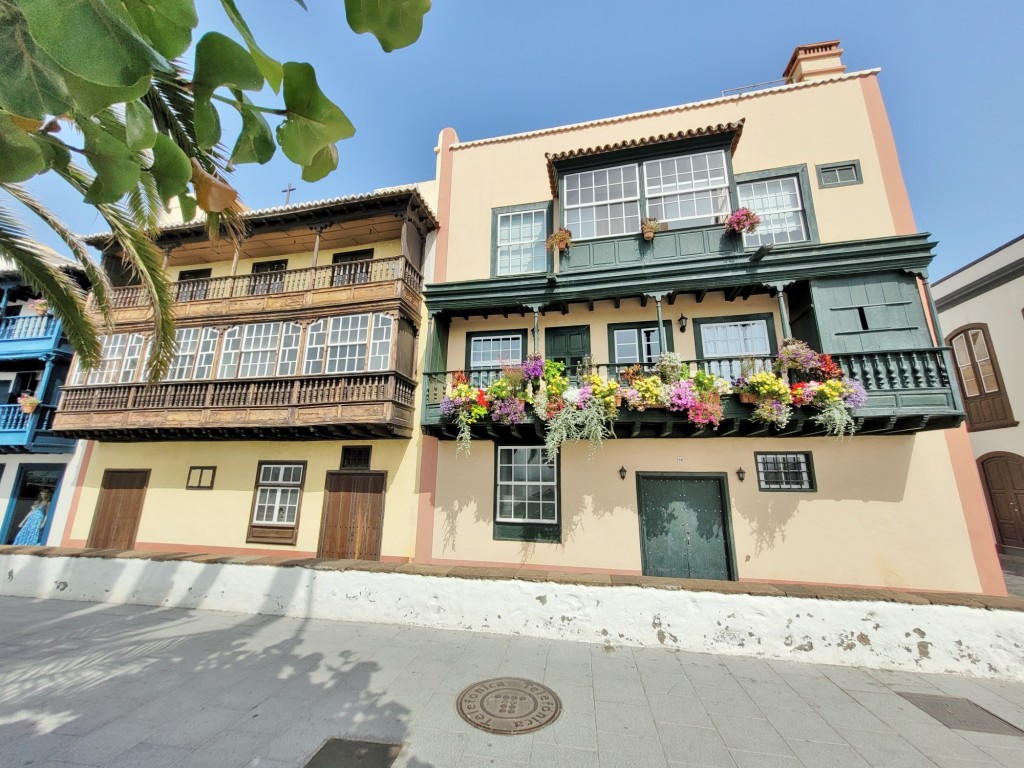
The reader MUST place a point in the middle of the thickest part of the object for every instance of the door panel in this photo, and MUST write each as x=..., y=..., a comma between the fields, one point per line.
x=353, y=516
x=568, y=345
x=1004, y=483
x=122, y=493
x=683, y=532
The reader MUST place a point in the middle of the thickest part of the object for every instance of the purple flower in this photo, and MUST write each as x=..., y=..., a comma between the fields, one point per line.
x=855, y=396
x=681, y=395
x=510, y=410
x=533, y=367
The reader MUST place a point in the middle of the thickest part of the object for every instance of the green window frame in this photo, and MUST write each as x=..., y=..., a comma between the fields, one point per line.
x=842, y=174
x=638, y=326
x=545, y=208
x=546, y=478
x=785, y=472
x=803, y=185
x=477, y=335
x=724, y=365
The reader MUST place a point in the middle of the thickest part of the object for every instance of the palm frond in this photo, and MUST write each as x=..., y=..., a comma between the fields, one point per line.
x=66, y=299
x=97, y=277
x=145, y=262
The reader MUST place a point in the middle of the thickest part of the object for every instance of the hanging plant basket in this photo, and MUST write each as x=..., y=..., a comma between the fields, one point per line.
x=748, y=398
x=29, y=407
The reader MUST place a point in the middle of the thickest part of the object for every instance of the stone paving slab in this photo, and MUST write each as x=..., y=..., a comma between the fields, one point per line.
x=1012, y=567
x=103, y=685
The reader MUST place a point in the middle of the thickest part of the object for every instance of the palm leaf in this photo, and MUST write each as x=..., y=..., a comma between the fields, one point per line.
x=67, y=301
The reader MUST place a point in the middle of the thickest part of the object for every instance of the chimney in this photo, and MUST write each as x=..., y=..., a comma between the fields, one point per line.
x=814, y=62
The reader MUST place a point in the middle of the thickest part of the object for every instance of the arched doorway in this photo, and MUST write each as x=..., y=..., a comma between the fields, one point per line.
x=1003, y=476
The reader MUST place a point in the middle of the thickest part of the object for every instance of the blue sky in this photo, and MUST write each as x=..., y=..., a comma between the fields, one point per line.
x=950, y=78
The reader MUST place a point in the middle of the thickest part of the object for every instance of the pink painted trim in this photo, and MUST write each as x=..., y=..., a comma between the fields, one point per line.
x=976, y=512
x=444, y=202
x=427, y=489
x=79, y=483
x=531, y=566
x=885, y=147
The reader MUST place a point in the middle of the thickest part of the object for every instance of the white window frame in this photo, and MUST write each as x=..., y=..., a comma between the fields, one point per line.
x=271, y=489
x=714, y=188
x=475, y=364
x=768, y=232
x=573, y=186
x=729, y=365
x=644, y=339
x=794, y=462
x=504, y=508
x=525, y=254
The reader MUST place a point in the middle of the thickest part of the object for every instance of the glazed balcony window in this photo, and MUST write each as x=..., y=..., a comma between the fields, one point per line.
x=779, y=204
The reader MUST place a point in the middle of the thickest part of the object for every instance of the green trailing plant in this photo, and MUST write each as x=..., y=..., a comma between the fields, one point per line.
x=836, y=419
x=589, y=422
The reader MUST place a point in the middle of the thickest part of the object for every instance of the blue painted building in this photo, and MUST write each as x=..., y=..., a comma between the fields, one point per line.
x=34, y=360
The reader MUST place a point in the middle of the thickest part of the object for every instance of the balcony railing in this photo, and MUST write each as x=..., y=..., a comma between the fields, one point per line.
x=908, y=389
x=20, y=431
x=28, y=335
x=349, y=273
x=318, y=406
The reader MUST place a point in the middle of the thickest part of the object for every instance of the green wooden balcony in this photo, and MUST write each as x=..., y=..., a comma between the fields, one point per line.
x=908, y=391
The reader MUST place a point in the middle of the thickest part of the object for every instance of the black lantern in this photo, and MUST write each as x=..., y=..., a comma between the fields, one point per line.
x=741, y=473
x=622, y=472
x=683, y=319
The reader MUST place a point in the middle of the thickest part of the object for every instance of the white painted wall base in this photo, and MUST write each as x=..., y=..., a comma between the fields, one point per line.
x=922, y=638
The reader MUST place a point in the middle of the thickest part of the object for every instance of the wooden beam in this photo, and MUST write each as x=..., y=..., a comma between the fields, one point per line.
x=565, y=307
x=636, y=429
x=700, y=296
x=643, y=299
x=590, y=305
x=666, y=427
x=745, y=293
x=732, y=293
x=672, y=297
x=616, y=301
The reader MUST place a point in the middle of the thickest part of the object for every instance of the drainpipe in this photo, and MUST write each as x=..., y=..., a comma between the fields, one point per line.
x=661, y=326
x=319, y=229
x=780, y=289
x=536, y=327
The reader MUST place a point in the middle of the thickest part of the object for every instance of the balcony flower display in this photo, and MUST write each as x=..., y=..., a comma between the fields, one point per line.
x=561, y=239
x=835, y=400
x=772, y=411
x=465, y=405
x=650, y=226
x=646, y=392
x=772, y=396
x=28, y=402
x=794, y=355
x=39, y=306
x=742, y=220
x=576, y=413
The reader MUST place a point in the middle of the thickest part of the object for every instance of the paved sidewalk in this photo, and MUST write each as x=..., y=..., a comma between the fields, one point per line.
x=105, y=685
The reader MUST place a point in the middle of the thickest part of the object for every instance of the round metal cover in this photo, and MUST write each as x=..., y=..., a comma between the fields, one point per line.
x=508, y=705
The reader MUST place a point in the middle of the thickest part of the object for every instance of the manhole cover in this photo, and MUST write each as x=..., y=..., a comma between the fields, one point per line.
x=961, y=714
x=345, y=753
x=508, y=705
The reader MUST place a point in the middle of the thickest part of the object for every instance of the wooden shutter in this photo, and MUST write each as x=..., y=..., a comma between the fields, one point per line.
x=981, y=382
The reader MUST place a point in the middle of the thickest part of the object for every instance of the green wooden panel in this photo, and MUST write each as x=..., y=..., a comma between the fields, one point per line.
x=869, y=312
x=569, y=345
x=683, y=528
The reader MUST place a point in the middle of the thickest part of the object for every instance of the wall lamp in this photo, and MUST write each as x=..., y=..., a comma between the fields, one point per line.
x=683, y=320
x=622, y=472
x=741, y=473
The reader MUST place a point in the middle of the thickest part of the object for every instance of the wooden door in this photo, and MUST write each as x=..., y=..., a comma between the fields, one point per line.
x=353, y=516
x=1004, y=485
x=122, y=492
x=684, y=530
x=267, y=277
x=568, y=345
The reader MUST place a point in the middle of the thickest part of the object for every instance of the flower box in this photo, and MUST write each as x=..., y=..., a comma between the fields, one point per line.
x=749, y=398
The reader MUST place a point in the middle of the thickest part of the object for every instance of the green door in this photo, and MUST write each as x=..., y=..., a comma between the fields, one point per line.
x=568, y=345
x=683, y=526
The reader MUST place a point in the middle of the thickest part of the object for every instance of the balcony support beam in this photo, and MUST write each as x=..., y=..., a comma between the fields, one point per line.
x=661, y=326
x=780, y=289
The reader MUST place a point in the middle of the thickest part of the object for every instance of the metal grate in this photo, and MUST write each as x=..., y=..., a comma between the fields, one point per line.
x=344, y=753
x=961, y=714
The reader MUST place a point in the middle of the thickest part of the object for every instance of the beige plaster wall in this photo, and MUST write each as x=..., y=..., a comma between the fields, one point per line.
x=1001, y=309
x=604, y=313
x=384, y=249
x=812, y=124
x=886, y=510
x=219, y=519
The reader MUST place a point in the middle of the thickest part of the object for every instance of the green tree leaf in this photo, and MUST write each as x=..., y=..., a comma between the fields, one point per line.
x=55, y=151
x=395, y=23
x=171, y=168
x=313, y=121
x=323, y=162
x=271, y=68
x=207, y=123
x=222, y=61
x=256, y=141
x=188, y=207
x=166, y=24
x=93, y=40
x=140, y=130
x=117, y=167
x=90, y=98
x=20, y=156
x=32, y=83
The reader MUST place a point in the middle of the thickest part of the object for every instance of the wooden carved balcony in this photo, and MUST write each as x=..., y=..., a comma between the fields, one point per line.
x=355, y=406
x=908, y=390
x=352, y=286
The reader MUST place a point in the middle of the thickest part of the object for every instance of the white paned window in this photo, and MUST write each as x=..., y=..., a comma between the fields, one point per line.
x=495, y=351
x=259, y=350
x=346, y=343
x=778, y=203
x=133, y=352
x=520, y=241
x=207, y=353
x=637, y=345
x=784, y=472
x=112, y=355
x=731, y=343
x=603, y=202
x=380, y=343
x=316, y=342
x=288, y=360
x=527, y=487
x=278, y=488
x=688, y=188
x=186, y=344
x=228, y=368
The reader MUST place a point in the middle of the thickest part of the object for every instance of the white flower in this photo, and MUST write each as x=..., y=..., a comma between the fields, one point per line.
x=572, y=395
x=723, y=386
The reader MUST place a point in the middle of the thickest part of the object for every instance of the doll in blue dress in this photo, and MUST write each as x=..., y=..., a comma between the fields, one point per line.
x=31, y=529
